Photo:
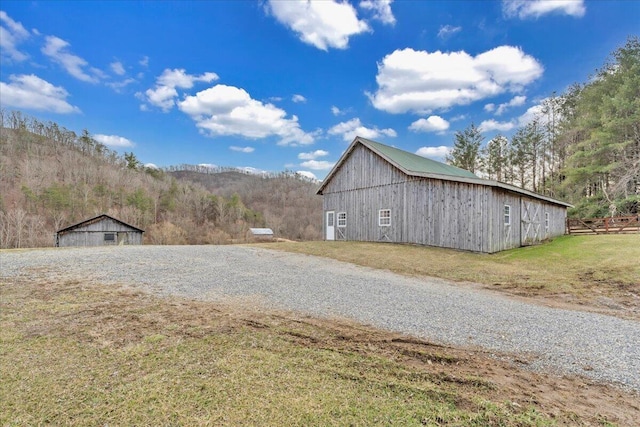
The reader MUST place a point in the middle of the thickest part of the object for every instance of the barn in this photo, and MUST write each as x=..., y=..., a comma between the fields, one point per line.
x=378, y=193
x=102, y=230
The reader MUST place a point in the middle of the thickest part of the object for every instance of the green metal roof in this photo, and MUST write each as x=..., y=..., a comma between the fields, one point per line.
x=417, y=164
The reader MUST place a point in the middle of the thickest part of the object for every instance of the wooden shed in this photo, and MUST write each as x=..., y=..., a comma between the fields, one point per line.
x=102, y=230
x=379, y=193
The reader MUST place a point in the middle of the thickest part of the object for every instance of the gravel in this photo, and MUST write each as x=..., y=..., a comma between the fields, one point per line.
x=600, y=347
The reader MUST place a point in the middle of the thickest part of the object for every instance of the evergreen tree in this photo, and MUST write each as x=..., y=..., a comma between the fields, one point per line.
x=132, y=161
x=494, y=157
x=465, y=153
x=604, y=160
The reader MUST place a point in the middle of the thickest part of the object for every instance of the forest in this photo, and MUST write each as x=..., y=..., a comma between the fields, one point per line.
x=582, y=147
x=51, y=178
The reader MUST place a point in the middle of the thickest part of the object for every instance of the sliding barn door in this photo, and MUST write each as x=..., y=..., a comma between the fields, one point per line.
x=531, y=221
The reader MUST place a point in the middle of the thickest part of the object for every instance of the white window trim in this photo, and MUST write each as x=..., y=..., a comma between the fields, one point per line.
x=507, y=215
x=339, y=220
x=387, y=218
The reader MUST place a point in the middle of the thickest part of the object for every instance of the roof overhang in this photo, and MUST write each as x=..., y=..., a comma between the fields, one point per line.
x=94, y=219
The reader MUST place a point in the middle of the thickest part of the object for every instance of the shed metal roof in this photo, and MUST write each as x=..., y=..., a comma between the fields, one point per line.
x=94, y=220
x=261, y=231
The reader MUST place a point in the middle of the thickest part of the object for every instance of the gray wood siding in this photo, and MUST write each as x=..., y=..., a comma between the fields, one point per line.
x=423, y=211
x=362, y=208
x=93, y=234
x=362, y=169
x=500, y=235
x=447, y=214
x=433, y=212
x=502, y=238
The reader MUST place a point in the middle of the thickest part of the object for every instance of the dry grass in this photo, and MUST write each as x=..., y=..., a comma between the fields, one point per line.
x=78, y=354
x=602, y=272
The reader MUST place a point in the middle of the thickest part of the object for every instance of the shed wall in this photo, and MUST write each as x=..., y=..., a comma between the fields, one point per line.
x=93, y=234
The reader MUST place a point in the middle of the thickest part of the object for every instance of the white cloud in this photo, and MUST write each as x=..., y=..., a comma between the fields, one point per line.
x=208, y=165
x=420, y=81
x=144, y=61
x=117, y=68
x=490, y=107
x=164, y=93
x=431, y=124
x=242, y=149
x=352, y=128
x=338, y=112
x=313, y=155
x=298, y=98
x=228, y=110
x=532, y=113
x=162, y=96
x=515, y=102
x=56, y=49
x=317, y=165
x=381, y=10
x=251, y=170
x=307, y=174
x=179, y=78
x=489, y=125
x=113, y=141
x=33, y=93
x=12, y=33
x=435, y=153
x=536, y=8
x=323, y=24
x=118, y=86
x=447, y=31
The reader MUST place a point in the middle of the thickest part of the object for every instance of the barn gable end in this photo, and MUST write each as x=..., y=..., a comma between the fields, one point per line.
x=382, y=194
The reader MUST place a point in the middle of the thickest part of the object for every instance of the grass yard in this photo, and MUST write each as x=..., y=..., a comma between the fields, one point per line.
x=75, y=354
x=600, y=272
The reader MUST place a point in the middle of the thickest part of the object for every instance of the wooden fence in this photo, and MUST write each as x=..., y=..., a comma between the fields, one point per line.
x=620, y=224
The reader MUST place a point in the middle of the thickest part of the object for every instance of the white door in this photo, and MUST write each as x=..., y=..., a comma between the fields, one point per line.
x=330, y=226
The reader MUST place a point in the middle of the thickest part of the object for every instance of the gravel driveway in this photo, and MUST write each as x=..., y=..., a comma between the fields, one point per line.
x=601, y=347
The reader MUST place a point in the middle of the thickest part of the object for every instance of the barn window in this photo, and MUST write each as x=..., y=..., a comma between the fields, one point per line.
x=109, y=237
x=507, y=215
x=546, y=221
x=384, y=217
x=342, y=219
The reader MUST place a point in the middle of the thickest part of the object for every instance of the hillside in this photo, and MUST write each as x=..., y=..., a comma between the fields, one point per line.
x=288, y=203
x=50, y=177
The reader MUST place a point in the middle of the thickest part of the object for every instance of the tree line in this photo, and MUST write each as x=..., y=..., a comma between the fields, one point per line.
x=51, y=177
x=582, y=146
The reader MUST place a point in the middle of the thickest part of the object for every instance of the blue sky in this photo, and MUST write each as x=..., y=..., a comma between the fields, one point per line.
x=275, y=85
